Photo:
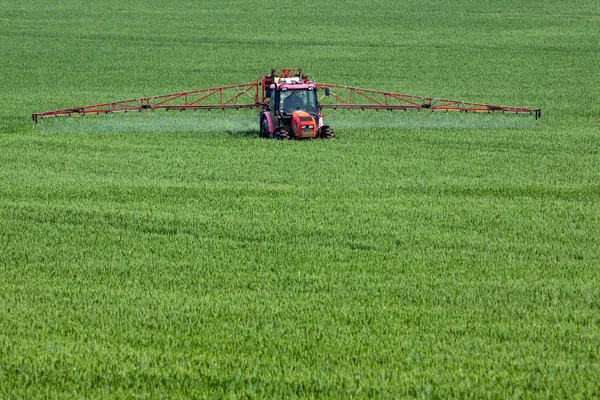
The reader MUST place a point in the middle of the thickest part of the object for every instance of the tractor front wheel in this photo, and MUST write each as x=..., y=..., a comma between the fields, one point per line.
x=326, y=133
x=282, y=134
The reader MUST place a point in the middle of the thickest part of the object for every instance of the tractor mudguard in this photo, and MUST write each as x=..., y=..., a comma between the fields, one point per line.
x=270, y=123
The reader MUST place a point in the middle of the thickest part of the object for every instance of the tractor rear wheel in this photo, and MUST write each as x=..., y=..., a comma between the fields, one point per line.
x=264, y=128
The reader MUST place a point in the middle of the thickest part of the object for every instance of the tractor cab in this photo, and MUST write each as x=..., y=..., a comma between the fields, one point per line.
x=294, y=99
x=287, y=99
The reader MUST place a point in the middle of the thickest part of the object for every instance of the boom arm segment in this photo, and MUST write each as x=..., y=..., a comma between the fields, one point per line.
x=346, y=97
x=245, y=95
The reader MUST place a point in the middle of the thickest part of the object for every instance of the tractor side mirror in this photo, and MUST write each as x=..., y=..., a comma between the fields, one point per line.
x=327, y=93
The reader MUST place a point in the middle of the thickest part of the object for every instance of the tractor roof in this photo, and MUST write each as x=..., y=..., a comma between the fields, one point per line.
x=297, y=86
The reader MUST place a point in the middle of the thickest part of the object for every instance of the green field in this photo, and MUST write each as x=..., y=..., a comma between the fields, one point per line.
x=180, y=255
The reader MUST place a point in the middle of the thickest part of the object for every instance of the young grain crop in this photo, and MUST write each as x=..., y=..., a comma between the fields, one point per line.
x=179, y=255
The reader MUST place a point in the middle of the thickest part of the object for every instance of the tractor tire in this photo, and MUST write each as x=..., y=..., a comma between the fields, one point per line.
x=282, y=134
x=264, y=128
x=327, y=133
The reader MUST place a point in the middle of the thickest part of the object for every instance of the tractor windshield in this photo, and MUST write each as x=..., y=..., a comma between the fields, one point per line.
x=299, y=99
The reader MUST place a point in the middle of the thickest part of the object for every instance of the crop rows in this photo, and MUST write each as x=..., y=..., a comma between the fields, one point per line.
x=416, y=255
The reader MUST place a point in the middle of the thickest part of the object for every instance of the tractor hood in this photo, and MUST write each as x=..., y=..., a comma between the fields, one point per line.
x=303, y=125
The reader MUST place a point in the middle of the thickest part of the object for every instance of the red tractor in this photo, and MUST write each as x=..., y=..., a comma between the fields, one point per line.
x=292, y=108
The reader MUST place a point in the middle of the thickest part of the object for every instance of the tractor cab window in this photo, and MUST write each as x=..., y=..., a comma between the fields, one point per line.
x=300, y=99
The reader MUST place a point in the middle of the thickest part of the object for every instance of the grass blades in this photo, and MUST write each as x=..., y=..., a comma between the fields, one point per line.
x=417, y=255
